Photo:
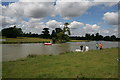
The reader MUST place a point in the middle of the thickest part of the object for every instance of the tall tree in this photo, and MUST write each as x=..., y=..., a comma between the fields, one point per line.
x=97, y=36
x=87, y=36
x=62, y=37
x=66, y=28
x=107, y=38
x=12, y=32
x=53, y=34
x=92, y=37
x=113, y=37
x=45, y=33
x=58, y=30
x=58, y=35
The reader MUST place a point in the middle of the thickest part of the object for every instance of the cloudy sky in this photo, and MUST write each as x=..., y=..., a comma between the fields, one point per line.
x=83, y=17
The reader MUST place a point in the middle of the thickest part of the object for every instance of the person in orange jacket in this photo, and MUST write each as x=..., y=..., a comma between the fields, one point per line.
x=100, y=46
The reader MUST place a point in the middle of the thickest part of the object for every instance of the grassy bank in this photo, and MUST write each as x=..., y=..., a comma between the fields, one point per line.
x=24, y=40
x=91, y=64
x=30, y=40
x=79, y=40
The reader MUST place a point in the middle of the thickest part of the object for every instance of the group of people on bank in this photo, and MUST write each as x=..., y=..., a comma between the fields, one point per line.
x=86, y=48
x=99, y=46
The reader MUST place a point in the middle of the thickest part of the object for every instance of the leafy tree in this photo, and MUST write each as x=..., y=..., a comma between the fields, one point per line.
x=62, y=37
x=87, y=36
x=45, y=33
x=58, y=30
x=92, y=37
x=97, y=36
x=107, y=38
x=66, y=38
x=66, y=28
x=58, y=35
x=100, y=37
x=53, y=34
x=12, y=32
x=113, y=37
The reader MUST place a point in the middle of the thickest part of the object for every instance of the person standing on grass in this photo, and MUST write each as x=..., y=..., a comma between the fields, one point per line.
x=97, y=46
x=86, y=48
x=100, y=45
x=81, y=48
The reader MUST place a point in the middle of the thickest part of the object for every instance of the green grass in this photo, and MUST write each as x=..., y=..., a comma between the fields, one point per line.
x=31, y=40
x=78, y=40
x=25, y=40
x=91, y=64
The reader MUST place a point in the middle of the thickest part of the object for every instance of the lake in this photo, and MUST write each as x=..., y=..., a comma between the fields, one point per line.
x=17, y=51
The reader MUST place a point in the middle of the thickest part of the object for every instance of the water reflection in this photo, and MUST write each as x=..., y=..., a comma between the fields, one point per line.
x=17, y=51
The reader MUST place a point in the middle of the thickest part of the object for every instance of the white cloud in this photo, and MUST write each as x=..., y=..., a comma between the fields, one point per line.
x=71, y=9
x=111, y=18
x=107, y=3
x=88, y=28
x=2, y=9
x=34, y=20
x=34, y=10
x=106, y=0
x=75, y=24
x=32, y=24
x=14, y=10
x=39, y=10
x=101, y=31
x=116, y=29
x=36, y=26
x=36, y=0
x=56, y=24
x=91, y=27
x=5, y=21
x=53, y=24
x=111, y=31
x=87, y=0
x=105, y=31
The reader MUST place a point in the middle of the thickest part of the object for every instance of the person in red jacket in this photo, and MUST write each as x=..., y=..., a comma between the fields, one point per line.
x=100, y=46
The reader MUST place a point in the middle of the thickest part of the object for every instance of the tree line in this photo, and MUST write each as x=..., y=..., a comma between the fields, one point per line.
x=95, y=37
x=57, y=35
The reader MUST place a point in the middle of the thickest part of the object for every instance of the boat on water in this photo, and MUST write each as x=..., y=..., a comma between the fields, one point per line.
x=47, y=43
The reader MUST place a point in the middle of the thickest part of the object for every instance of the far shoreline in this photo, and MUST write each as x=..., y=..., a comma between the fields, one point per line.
x=26, y=40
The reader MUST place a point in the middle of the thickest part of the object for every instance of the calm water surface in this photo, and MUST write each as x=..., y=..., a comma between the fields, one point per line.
x=17, y=51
